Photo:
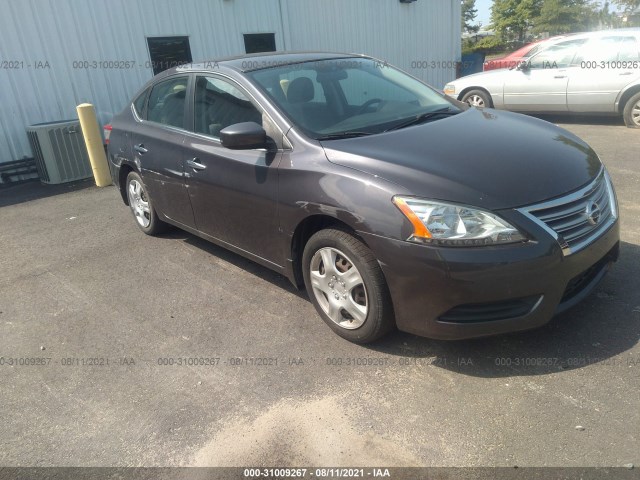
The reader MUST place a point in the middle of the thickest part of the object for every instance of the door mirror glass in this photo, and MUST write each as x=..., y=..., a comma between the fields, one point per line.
x=243, y=136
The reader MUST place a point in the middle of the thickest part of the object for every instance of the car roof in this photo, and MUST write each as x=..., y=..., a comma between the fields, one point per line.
x=261, y=61
x=604, y=33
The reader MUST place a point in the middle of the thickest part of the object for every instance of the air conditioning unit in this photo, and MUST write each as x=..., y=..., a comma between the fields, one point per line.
x=59, y=151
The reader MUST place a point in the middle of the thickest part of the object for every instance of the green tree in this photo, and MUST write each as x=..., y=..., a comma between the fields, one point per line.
x=628, y=5
x=469, y=14
x=631, y=9
x=604, y=17
x=565, y=16
x=512, y=19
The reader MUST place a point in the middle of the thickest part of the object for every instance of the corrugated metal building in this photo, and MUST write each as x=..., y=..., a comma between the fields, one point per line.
x=56, y=54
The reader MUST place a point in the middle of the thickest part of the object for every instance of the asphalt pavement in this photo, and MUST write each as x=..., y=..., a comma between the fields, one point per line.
x=96, y=318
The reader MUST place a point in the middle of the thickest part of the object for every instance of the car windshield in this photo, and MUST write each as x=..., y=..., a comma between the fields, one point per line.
x=350, y=97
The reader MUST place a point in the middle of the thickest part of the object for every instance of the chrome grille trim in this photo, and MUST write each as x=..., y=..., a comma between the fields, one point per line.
x=567, y=218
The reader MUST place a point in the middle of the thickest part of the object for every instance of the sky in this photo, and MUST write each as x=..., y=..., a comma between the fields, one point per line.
x=484, y=11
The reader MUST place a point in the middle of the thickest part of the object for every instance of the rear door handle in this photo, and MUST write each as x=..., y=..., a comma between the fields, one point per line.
x=626, y=73
x=560, y=76
x=195, y=164
x=140, y=148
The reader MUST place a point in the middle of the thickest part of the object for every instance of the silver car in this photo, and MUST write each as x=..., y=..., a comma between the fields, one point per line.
x=596, y=72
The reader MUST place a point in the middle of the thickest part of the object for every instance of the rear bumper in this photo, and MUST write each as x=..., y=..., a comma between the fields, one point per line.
x=451, y=294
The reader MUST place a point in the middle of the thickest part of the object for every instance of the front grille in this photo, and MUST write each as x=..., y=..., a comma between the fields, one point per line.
x=487, y=312
x=576, y=220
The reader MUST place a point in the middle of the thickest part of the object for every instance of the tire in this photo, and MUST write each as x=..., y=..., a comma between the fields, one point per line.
x=631, y=112
x=478, y=98
x=357, y=306
x=142, y=207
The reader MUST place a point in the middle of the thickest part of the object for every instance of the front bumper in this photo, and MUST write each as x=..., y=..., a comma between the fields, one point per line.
x=459, y=293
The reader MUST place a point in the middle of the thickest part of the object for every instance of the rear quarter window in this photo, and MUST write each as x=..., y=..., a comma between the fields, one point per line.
x=140, y=102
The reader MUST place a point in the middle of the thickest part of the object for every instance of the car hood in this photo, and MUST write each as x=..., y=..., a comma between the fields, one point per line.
x=484, y=158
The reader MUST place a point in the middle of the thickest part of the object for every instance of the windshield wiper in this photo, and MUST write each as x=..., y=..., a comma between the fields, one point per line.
x=341, y=135
x=422, y=117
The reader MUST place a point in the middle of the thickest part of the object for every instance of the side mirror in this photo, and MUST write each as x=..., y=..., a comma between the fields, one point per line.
x=523, y=66
x=243, y=136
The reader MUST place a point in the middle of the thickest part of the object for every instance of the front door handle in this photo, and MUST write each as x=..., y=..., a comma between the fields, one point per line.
x=626, y=73
x=560, y=76
x=195, y=164
x=140, y=148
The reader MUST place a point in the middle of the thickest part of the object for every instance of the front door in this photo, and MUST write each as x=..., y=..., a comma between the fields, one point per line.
x=233, y=192
x=542, y=85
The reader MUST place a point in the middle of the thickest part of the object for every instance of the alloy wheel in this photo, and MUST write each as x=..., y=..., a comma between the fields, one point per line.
x=635, y=113
x=139, y=203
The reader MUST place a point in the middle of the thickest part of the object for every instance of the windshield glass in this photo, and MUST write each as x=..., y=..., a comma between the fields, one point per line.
x=348, y=96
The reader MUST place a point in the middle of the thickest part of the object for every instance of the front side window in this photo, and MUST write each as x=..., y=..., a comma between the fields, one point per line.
x=219, y=104
x=560, y=55
x=167, y=102
x=533, y=51
x=332, y=97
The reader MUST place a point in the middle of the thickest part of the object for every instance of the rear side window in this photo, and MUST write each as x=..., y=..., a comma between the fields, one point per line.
x=629, y=49
x=140, y=102
x=608, y=49
x=167, y=102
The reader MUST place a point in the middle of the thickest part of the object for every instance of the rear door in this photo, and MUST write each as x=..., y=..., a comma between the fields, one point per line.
x=158, y=146
x=233, y=192
x=542, y=87
x=603, y=67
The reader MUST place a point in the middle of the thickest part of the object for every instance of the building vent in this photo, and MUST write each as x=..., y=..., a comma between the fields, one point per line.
x=59, y=151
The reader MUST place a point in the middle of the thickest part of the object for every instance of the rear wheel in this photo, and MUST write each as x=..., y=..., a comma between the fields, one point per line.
x=632, y=112
x=477, y=98
x=346, y=285
x=141, y=206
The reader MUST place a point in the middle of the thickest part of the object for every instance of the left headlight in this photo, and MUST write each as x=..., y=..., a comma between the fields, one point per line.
x=449, y=89
x=452, y=225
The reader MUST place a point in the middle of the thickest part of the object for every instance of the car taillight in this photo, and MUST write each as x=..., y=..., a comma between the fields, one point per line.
x=107, y=133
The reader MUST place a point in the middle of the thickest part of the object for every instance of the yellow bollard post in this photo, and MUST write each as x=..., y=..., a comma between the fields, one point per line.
x=93, y=141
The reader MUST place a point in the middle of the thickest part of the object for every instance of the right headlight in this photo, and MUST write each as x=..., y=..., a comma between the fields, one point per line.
x=453, y=225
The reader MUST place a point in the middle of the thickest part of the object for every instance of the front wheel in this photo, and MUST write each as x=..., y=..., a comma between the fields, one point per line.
x=141, y=206
x=346, y=285
x=632, y=112
x=477, y=98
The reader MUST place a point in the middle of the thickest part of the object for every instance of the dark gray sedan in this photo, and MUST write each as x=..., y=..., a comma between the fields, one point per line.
x=350, y=177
